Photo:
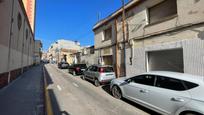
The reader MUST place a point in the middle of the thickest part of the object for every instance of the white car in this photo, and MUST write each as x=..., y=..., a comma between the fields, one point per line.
x=99, y=74
x=168, y=93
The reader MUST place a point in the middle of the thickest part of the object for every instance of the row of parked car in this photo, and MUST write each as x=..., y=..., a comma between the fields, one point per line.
x=168, y=93
x=99, y=74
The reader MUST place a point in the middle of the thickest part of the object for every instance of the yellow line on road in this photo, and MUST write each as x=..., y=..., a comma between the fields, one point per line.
x=48, y=104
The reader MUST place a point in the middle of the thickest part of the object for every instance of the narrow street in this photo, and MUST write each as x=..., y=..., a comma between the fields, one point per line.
x=72, y=95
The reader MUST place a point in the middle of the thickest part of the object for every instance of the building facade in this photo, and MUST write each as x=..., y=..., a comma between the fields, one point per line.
x=159, y=35
x=16, y=41
x=37, y=52
x=29, y=6
x=86, y=56
x=61, y=50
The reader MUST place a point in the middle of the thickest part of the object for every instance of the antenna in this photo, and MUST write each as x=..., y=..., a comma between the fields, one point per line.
x=99, y=16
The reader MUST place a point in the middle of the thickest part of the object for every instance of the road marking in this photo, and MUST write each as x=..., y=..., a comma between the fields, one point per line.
x=59, y=87
x=75, y=84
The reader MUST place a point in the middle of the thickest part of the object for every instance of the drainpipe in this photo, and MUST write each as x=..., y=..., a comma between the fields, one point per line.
x=132, y=50
x=11, y=33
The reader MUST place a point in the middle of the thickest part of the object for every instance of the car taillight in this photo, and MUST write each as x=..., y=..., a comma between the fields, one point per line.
x=101, y=70
x=77, y=68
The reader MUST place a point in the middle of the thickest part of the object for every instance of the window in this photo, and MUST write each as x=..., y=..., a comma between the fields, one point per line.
x=170, y=83
x=19, y=21
x=190, y=85
x=107, y=34
x=92, y=50
x=105, y=69
x=89, y=68
x=94, y=68
x=144, y=79
x=162, y=11
x=26, y=34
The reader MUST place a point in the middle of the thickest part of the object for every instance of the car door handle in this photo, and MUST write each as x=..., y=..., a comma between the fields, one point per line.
x=144, y=91
x=177, y=99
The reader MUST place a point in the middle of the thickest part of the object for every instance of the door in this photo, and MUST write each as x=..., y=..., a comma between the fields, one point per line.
x=139, y=87
x=87, y=72
x=93, y=72
x=168, y=95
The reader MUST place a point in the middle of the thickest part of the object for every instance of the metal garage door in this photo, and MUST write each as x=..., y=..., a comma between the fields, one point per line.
x=165, y=60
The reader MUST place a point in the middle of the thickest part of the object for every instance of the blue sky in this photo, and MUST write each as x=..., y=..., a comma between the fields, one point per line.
x=70, y=19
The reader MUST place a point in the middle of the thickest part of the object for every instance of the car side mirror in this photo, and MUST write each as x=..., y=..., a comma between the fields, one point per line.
x=128, y=80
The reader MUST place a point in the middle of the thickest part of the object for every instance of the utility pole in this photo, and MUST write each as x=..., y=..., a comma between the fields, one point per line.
x=123, y=30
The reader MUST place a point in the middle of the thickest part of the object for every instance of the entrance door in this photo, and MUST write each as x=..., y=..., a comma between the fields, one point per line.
x=108, y=60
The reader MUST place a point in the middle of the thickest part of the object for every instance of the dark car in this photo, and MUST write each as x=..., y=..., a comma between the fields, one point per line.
x=63, y=65
x=77, y=69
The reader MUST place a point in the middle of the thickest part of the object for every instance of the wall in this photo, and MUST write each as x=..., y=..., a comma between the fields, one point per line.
x=16, y=46
x=99, y=35
x=187, y=11
x=5, y=33
x=37, y=51
x=191, y=40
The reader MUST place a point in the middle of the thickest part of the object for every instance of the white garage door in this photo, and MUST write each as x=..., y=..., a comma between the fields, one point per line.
x=165, y=60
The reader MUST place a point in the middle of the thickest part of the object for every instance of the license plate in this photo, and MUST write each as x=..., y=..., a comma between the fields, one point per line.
x=109, y=74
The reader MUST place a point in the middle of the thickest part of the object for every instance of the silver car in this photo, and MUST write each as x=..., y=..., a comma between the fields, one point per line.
x=99, y=74
x=168, y=93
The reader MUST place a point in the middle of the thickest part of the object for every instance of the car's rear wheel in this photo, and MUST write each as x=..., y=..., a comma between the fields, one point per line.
x=116, y=92
x=96, y=83
x=83, y=77
x=74, y=73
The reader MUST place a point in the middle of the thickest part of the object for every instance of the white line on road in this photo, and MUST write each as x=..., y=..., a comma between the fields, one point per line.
x=75, y=84
x=59, y=87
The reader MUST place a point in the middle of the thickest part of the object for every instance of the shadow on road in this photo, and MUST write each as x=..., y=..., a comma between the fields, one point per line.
x=48, y=78
x=106, y=88
x=64, y=113
x=55, y=104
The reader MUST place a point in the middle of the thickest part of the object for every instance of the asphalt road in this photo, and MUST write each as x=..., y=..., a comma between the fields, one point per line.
x=71, y=95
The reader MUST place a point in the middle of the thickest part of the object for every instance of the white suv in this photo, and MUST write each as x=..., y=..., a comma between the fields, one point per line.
x=99, y=74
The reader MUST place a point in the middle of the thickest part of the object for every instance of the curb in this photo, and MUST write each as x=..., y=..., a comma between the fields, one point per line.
x=48, y=105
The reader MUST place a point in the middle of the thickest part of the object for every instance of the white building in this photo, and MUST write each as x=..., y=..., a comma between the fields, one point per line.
x=159, y=35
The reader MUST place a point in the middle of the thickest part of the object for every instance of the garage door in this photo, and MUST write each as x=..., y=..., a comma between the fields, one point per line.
x=165, y=60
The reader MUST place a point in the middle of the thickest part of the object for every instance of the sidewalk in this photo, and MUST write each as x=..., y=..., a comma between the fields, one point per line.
x=25, y=96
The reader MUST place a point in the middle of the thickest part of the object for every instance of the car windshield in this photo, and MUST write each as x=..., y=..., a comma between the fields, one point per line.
x=81, y=65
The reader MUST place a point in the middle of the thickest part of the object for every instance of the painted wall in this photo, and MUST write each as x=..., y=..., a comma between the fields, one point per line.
x=5, y=33
x=191, y=40
x=16, y=45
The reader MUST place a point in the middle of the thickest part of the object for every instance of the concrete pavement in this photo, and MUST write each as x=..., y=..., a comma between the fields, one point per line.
x=25, y=96
x=74, y=96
